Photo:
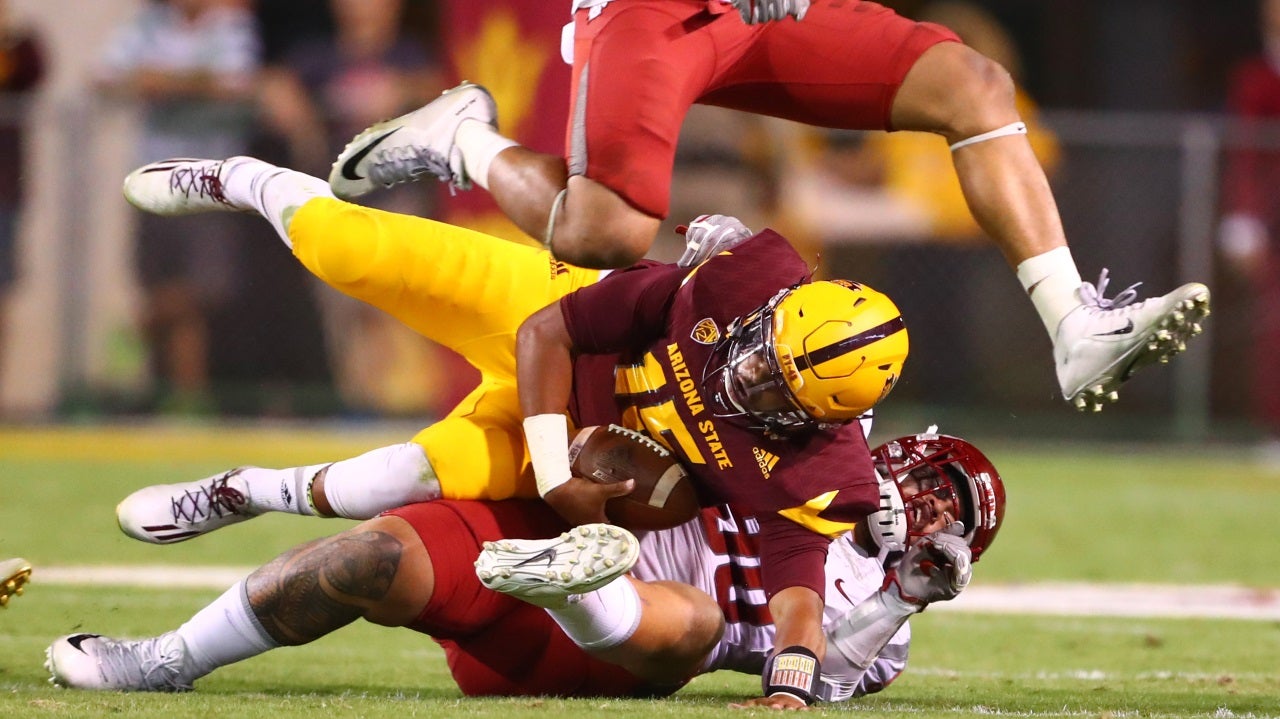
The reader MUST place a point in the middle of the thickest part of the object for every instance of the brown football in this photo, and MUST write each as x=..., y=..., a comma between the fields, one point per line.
x=663, y=496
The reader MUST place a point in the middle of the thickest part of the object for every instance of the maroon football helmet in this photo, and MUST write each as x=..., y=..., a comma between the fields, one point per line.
x=933, y=471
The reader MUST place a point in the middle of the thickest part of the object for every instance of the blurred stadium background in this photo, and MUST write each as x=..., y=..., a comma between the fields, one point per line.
x=1131, y=99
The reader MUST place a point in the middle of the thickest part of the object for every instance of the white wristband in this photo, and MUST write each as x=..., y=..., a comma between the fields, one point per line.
x=547, y=436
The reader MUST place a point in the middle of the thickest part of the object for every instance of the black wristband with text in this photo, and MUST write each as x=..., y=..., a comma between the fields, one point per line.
x=794, y=671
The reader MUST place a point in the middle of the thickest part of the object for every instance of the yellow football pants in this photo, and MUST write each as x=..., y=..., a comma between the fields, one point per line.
x=463, y=289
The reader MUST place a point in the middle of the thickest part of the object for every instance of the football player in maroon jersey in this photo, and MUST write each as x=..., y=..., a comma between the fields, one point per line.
x=693, y=602
x=751, y=373
x=640, y=65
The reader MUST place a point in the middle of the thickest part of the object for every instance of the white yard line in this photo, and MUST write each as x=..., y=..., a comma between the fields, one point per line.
x=1053, y=598
x=1120, y=600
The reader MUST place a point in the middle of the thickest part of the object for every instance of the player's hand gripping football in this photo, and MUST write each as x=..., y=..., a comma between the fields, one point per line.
x=709, y=235
x=936, y=568
x=581, y=501
x=757, y=11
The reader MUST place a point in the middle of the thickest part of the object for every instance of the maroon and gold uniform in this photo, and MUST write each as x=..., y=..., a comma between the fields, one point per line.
x=664, y=323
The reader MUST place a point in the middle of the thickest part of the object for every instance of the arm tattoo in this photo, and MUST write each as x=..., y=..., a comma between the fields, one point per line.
x=323, y=585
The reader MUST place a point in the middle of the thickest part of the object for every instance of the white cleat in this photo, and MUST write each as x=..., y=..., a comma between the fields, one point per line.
x=90, y=661
x=169, y=513
x=1101, y=343
x=546, y=572
x=183, y=186
x=14, y=575
x=413, y=145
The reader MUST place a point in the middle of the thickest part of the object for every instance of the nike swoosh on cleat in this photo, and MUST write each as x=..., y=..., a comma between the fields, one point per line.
x=349, y=167
x=1122, y=331
x=547, y=554
x=77, y=639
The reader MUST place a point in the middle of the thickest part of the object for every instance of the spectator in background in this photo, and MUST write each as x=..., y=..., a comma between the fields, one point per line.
x=1249, y=235
x=324, y=91
x=191, y=66
x=22, y=67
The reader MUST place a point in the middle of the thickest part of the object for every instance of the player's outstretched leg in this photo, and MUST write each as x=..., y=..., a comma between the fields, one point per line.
x=413, y=145
x=1101, y=343
x=186, y=186
x=91, y=661
x=546, y=572
x=14, y=575
x=359, y=487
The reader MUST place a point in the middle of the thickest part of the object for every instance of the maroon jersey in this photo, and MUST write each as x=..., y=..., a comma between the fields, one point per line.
x=663, y=322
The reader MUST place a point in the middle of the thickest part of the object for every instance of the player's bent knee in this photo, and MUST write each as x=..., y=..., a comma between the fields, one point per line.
x=335, y=240
x=600, y=250
x=692, y=626
x=955, y=91
x=397, y=578
x=597, y=228
x=984, y=94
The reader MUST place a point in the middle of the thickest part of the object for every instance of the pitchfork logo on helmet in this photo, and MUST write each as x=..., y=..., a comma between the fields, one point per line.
x=815, y=354
x=939, y=478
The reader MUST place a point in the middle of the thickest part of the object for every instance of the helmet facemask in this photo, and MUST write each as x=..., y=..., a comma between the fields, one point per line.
x=816, y=355
x=940, y=479
x=749, y=380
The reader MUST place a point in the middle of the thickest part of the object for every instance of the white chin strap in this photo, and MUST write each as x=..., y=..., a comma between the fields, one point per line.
x=1013, y=128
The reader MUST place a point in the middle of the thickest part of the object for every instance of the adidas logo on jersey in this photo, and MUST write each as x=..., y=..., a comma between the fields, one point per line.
x=766, y=460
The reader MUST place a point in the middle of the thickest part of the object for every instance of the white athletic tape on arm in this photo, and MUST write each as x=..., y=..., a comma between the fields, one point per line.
x=547, y=436
x=1013, y=128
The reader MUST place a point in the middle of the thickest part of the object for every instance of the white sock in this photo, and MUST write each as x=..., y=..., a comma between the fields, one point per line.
x=1052, y=280
x=281, y=490
x=479, y=143
x=275, y=192
x=601, y=619
x=223, y=633
x=388, y=477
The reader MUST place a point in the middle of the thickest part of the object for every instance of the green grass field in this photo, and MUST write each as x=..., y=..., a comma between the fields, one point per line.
x=1076, y=513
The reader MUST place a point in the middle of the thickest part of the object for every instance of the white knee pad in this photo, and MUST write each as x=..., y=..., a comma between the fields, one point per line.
x=363, y=487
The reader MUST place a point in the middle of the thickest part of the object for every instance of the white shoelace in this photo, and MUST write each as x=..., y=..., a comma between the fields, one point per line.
x=200, y=180
x=406, y=164
x=214, y=499
x=1092, y=296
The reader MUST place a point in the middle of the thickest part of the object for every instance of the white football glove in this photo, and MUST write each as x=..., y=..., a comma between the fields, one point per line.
x=934, y=569
x=754, y=12
x=709, y=235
